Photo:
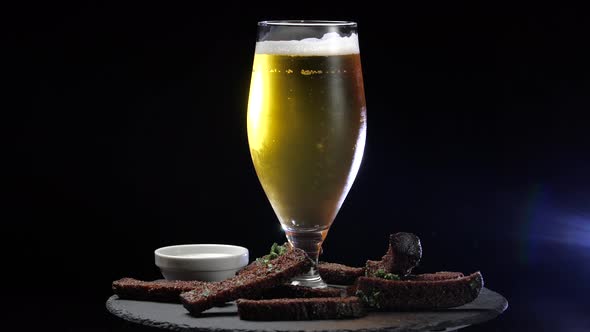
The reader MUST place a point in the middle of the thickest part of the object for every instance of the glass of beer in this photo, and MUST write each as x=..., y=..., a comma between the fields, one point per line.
x=306, y=125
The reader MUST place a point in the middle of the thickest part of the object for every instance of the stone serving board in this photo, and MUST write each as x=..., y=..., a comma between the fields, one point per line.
x=488, y=305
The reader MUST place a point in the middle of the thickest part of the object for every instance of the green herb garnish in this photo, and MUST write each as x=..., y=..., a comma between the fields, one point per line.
x=275, y=251
x=372, y=299
x=384, y=275
x=278, y=250
x=205, y=293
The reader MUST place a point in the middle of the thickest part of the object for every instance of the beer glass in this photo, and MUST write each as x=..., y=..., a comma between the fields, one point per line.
x=306, y=125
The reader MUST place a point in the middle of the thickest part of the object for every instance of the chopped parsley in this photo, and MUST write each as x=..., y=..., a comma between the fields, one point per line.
x=384, y=275
x=275, y=251
x=372, y=299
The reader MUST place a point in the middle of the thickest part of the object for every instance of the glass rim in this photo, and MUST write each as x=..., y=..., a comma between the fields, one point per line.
x=308, y=23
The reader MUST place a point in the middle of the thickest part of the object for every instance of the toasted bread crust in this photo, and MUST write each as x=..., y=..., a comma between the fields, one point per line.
x=251, y=283
x=295, y=292
x=442, y=275
x=381, y=294
x=339, y=274
x=158, y=290
x=403, y=254
x=300, y=309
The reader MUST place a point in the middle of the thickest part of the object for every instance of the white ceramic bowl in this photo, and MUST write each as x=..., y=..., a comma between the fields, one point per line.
x=206, y=262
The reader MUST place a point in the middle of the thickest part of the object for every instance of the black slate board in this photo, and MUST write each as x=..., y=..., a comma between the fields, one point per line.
x=170, y=316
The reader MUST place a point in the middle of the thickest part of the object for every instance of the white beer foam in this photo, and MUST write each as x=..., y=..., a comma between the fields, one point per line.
x=330, y=44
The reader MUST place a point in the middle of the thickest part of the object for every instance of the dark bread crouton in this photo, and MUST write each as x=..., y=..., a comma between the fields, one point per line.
x=158, y=290
x=403, y=254
x=442, y=275
x=301, y=309
x=293, y=291
x=339, y=274
x=253, y=282
x=381, y=294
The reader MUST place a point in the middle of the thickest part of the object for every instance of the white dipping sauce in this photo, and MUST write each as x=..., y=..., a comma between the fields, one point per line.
x=205, y=255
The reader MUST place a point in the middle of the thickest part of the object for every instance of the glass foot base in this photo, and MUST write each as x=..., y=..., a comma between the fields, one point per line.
x=311, y=279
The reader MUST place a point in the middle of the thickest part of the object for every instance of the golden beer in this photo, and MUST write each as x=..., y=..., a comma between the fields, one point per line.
x=306, y=132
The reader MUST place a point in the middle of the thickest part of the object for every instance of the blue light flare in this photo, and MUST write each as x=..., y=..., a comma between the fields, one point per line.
x=545, y=225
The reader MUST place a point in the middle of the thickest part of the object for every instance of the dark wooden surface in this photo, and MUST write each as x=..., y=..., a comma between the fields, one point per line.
x=169, y=316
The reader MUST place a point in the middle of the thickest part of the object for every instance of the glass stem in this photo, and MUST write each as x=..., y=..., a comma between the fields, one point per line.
x=311, y=243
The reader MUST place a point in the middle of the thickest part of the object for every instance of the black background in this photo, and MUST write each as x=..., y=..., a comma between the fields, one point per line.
x=126, y=132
